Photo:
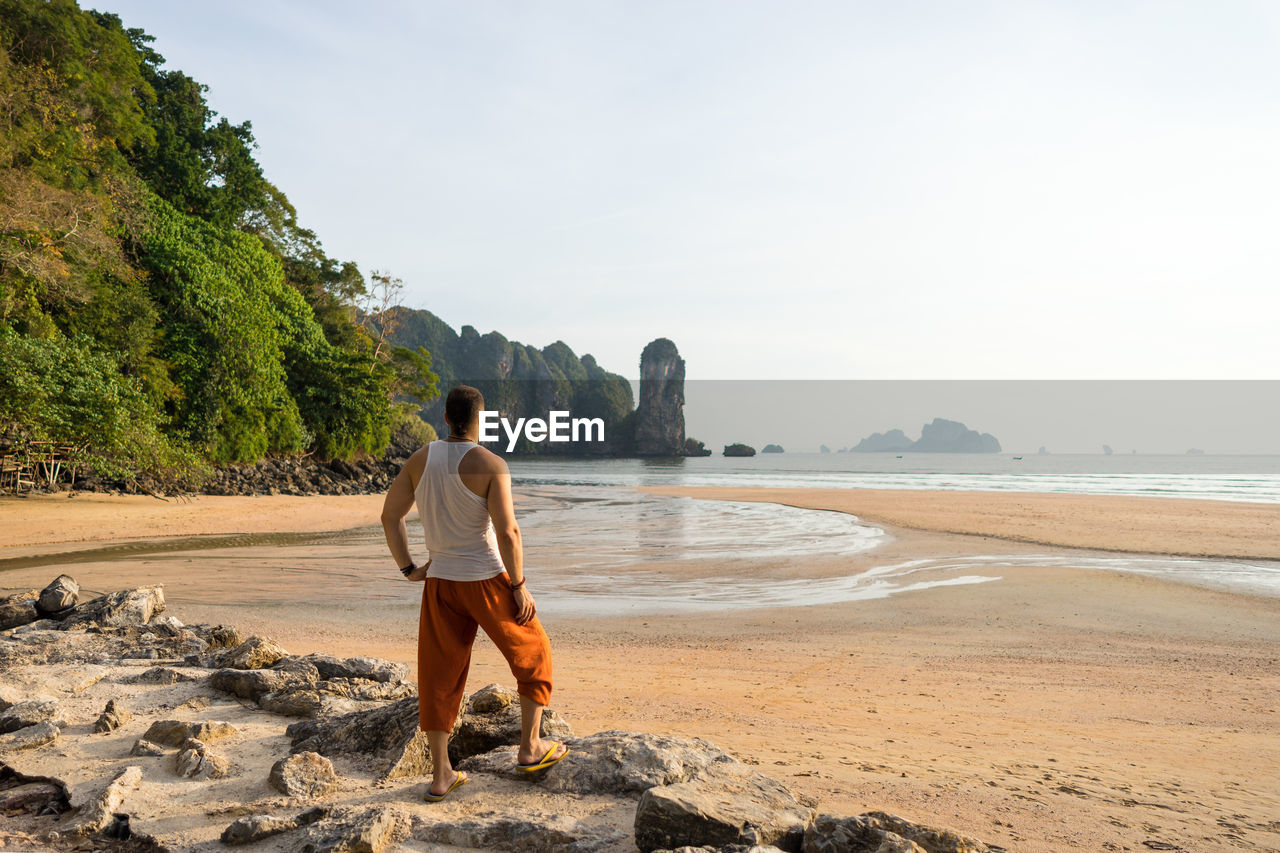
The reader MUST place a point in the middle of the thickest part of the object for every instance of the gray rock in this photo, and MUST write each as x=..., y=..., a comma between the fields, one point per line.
x=248, y=830
x=222, y=637
x=933, y=839
x=175, y=732
x=59, y=596
x=619, y=762
x=29, y=713
x=34, y=798
x=490, y=719
x=306, y=701
x=304, y=775
x=739, y=808
x=113, y=717
x=30, y=737
x=253, y=653
x=373, y=669
x=535, y=833
x=163, y=675
x=196, y=761
x=828, y=834
x=118, y=609
x=256, y=683
x=370, y=829
x=142, y=746
x=19, y=597
x=18, y=614
x=389, y=735
x=728, y=848
x=96, y=814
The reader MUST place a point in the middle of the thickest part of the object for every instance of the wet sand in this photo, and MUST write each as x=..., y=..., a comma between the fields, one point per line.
x=1056, y=708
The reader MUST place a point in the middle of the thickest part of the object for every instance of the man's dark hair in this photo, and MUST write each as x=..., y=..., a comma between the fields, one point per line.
x=462, y=407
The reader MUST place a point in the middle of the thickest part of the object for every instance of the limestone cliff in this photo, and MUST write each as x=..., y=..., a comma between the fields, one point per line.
x=659, y=419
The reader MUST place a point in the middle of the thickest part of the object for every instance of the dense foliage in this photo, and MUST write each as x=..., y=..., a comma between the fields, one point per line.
x=160, y=306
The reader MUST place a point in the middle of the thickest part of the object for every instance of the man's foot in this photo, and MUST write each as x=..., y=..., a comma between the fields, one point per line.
x=541, y=756
x=435, y=793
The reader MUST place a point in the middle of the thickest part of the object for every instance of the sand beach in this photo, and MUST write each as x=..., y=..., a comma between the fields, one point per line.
x=1056, y=708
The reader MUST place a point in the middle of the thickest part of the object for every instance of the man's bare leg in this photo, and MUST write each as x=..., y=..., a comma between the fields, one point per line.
x=532, y=745
x=442, y=771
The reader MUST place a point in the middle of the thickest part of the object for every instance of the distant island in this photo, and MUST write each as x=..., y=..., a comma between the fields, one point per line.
x=773, y=448
x=739, y=450
x=940, y=436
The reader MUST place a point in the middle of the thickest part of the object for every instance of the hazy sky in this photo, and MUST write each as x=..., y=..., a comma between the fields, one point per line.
x=816, y=190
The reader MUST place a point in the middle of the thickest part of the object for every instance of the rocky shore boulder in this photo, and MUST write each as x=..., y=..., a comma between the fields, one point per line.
x=249, y=830
x=490, y=719
x=118, y=609
x=253, y=653
x=303, y=775
x=58, y=597
x=526, y=833
x=620, y=762
x=388, y=736
x=746, y=808
x=371, y=669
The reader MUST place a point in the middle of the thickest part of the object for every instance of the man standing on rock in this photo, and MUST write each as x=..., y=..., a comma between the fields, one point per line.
x=474, y=577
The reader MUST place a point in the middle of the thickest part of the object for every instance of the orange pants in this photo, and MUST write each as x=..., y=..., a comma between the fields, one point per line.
x=451, y=611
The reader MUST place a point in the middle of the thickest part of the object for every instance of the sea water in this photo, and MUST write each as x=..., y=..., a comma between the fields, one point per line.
x=593, y=546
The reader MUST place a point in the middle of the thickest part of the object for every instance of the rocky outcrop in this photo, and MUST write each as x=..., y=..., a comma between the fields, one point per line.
x=878, y=832
x=112, y=717
x=773, y=448
x=737, y=808
x=58, y=597
x=249, y=830
x=369, y=829
x=14, y=614
x=619, y=762
x=253, y=653
x=29, y=713
x=177, y=732
x=195, y=760
x=389, y=736
x=118, y=609
x=30, y=737
x=303, y=775
x=940, y=436
x=659, y=418
x=741, y=450
x=490, y=719
x=526, y=833
x=96, y=815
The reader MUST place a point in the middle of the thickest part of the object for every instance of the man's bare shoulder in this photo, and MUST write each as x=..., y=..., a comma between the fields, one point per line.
x=482, y=460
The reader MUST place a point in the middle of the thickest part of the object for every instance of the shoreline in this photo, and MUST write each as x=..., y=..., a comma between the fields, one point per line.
x=1173, y=527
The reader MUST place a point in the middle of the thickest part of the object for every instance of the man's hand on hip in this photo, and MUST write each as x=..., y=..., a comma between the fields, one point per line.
x=525, y=608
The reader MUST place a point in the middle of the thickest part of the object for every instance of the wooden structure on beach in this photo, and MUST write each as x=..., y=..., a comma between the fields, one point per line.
x=27, y=465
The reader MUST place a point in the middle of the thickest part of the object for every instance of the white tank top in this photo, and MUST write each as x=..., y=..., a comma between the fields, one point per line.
x=456, y=521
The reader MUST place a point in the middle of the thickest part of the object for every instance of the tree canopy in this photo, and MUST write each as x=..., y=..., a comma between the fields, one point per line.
x=161, y=308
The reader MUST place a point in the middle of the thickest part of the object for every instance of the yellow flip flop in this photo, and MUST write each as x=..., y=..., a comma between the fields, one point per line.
x=545, y=761
x=461, y=780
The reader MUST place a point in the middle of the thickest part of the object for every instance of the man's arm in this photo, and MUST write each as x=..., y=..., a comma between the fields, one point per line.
x=398, y=502
x=503, y=514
